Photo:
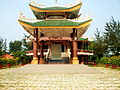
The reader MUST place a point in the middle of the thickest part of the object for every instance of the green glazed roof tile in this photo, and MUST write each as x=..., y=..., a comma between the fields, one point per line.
x=55, y=23
x=83, y=38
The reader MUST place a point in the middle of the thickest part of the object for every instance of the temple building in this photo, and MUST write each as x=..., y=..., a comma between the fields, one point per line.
x=57, y=32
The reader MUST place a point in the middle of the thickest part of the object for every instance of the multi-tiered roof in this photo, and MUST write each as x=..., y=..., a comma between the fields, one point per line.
x=56, y=20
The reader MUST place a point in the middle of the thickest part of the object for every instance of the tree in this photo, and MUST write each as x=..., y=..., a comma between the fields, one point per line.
x=15, y=46
x=4, y=47
x=99, y=45
x=21, y=57
x=26, y=45
x=1, y=45
x=112, y=36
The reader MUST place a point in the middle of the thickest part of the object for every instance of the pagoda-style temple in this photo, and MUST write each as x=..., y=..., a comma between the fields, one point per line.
x=57, y=32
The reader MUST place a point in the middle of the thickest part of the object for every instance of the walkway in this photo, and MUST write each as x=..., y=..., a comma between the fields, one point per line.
x=59, y=77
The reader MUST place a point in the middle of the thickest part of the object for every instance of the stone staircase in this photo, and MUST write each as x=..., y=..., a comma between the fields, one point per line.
x=55, y=61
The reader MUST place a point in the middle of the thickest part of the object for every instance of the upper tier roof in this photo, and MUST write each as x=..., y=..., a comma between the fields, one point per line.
x=71, y=10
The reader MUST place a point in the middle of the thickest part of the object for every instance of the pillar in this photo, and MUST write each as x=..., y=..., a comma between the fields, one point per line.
x=84, y=45
x=41, y=53
x=35, y=47
x=74, y=48
x=87, y=59
x=82, y=59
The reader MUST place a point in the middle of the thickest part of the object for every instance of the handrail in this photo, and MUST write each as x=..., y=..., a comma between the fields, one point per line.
x=48, y=53
x=47, y=56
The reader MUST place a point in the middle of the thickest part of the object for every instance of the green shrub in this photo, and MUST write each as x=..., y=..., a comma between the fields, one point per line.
x=4, y=61
x=114, y=60
x=0, y=60
x=21, y=57
x=97, y=61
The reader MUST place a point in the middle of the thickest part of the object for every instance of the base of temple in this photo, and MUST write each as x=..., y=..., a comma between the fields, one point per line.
x=75, y=60
x=41, y=61
x=35, y=60
x=82, y=63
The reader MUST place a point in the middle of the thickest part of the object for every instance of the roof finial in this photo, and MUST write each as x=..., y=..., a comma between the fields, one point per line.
x=55, y=1
x=78, y=0
x=21, y=13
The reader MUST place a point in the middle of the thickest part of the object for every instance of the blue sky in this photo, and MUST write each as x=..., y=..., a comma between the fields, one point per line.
x=101, y=12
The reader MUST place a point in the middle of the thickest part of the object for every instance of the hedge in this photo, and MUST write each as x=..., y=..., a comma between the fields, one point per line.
x=14, y=61
x=114, y=60
x=4, y=61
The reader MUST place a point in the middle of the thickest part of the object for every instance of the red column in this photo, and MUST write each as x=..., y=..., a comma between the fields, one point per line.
x=82, y=59
x=42, y=53
x=74, y=48
x=35, y=47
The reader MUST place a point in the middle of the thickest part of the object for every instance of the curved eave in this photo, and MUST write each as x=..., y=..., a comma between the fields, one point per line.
x=86, y=23
x=35, y=8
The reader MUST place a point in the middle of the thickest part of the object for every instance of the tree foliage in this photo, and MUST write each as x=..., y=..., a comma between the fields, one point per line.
x=108, y=43
x=15, y=46
x=112, y=36
x=3, y=47
x=114, y=60
x=26, y=45
x=99, y=45
x=21, y=55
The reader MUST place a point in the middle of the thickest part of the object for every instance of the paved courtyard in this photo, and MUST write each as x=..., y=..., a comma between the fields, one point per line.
x=59, y=77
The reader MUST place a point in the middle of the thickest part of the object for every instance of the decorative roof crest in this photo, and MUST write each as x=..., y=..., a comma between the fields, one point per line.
x=78, y=1
x=21, y=15
x=43, y=6
x=24, y=18
x=82, y=19
x=36, y=4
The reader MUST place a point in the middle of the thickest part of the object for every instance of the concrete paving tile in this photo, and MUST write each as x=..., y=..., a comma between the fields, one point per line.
x=19, y=79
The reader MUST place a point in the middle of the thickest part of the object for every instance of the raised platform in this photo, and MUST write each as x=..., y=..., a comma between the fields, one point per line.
x=55, y=68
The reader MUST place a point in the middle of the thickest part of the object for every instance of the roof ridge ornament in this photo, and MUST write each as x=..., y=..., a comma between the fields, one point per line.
x=78, y=1
x=32, y=2
x=21, y=15
x=24, y=18
x=55, y=1
x=75, y=3
x=89, y=13
x=87, y=17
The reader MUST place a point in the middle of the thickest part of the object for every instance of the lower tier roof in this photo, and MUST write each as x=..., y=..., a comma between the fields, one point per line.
x=56, y=28
x=54, y=23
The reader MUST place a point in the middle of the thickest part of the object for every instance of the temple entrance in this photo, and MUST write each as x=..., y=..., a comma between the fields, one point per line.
x=56, y=54
x=56, y=51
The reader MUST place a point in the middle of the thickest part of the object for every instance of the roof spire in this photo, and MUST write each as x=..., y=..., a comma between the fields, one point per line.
x=55, y=1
